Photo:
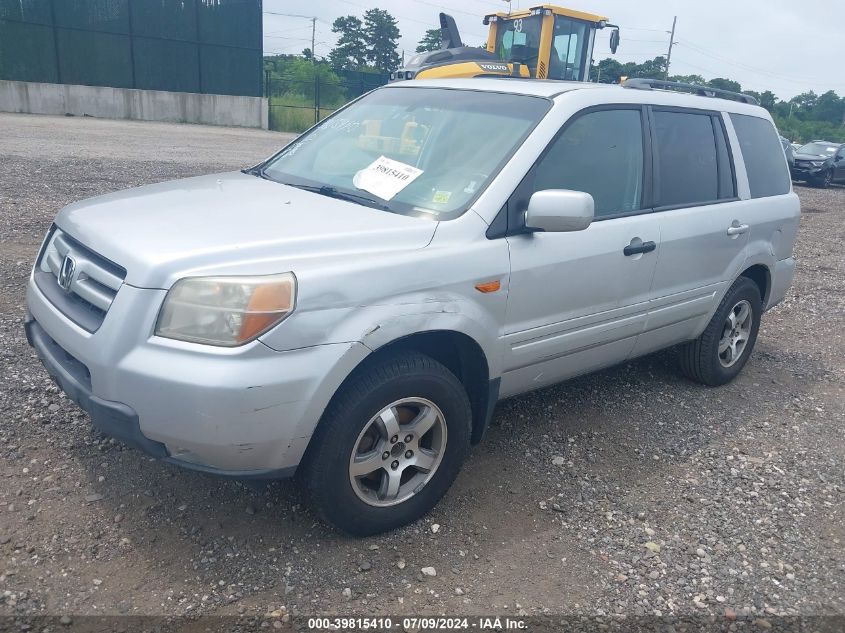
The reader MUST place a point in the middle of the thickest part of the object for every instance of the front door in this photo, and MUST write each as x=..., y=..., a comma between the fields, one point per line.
x=839, y=165
x=577, y=301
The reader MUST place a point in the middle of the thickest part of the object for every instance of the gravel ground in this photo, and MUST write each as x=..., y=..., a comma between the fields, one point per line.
x=630, y=491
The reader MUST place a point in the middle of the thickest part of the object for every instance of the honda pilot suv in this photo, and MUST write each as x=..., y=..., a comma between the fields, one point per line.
x=350, y=310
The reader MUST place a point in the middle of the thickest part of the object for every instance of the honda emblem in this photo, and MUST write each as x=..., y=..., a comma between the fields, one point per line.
x=66, y=273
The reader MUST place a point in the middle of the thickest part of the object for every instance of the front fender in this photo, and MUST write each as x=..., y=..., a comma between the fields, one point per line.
x=377, y=299
x=403, y=321
x=370, y=328
x=377, y=325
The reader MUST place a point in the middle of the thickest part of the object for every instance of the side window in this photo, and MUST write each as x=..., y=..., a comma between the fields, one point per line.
x=758, y=142
x=686, y=159
x=600, y=153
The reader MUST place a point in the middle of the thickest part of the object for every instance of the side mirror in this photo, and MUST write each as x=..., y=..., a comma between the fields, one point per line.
x=614, y=40
x=559, y=210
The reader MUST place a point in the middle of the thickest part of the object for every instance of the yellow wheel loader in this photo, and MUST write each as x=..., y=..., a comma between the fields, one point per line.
x=543, y=42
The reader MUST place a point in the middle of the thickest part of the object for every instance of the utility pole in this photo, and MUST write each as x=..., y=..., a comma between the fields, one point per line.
x=313, y=33
x=299, y=15
x=671, y=42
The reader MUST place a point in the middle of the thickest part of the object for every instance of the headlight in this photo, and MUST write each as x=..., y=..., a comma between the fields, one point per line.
x=225, y=311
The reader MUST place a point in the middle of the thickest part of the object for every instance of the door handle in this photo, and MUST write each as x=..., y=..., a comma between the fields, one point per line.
x=737, y=229
x=643, y=247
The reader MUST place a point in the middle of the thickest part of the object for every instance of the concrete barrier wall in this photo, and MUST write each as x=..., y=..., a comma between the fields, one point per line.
x=124, y=103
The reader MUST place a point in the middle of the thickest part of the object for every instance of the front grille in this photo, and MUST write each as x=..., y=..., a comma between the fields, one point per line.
x=78, y=281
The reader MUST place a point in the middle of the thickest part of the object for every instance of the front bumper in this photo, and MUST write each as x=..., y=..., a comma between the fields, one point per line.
x=806, y=173
x=240, y=412
x=112, y=418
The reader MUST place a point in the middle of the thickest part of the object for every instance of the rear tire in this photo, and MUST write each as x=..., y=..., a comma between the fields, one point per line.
x=389, y=445
x=717, y=356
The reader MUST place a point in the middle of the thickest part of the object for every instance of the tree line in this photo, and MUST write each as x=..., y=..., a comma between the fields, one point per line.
x=803, y=118
x=366, y=45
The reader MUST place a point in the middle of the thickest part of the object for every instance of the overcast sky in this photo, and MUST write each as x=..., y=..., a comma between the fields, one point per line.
x=787, y=46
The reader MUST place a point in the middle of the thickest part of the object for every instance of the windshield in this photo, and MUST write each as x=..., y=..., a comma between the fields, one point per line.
x=411, y=150
x=519, y=40
x=818, y=149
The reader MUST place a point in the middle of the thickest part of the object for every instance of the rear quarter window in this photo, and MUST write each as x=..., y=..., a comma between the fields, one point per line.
x=764, y=158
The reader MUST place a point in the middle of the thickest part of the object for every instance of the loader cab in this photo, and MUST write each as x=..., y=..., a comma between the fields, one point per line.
x=543, y=42
x=555, y=43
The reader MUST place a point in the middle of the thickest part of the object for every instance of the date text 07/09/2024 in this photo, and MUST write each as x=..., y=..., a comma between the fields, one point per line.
x=410, y=623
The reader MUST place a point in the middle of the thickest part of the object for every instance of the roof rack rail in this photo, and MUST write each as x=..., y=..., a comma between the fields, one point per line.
x=703, y=91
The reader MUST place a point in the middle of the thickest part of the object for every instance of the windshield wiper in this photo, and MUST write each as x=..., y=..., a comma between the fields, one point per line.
x=332, y=192
x=258, y=170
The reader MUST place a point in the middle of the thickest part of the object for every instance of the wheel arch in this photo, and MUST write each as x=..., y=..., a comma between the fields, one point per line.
x=762, y=278
x=458, y=352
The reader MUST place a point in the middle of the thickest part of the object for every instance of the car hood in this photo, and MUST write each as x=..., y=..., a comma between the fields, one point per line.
x=231, y=223
x=811, y=156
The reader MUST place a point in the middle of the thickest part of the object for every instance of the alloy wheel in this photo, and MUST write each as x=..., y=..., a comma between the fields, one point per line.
x=397, y=452
x=735, y=334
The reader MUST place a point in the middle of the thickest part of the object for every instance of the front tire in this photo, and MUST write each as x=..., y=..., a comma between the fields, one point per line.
x=717, y=356
x=826, y=180
x=389, y=445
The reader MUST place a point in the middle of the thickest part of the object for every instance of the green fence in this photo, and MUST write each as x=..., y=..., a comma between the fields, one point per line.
x=207, y=46
x=297, y=104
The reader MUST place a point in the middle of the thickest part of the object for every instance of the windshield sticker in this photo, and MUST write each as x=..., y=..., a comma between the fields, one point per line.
x=294, y=147
x=441, y=197
x=340, y=124
x=336, y=123
x=385, y=177
x=471, y=187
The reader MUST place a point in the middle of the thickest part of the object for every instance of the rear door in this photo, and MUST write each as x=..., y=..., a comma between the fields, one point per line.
x=702, y=227
x=771, y=209
x=578, y=300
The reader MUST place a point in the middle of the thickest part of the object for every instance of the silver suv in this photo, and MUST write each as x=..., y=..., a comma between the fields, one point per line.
x=351, y=310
